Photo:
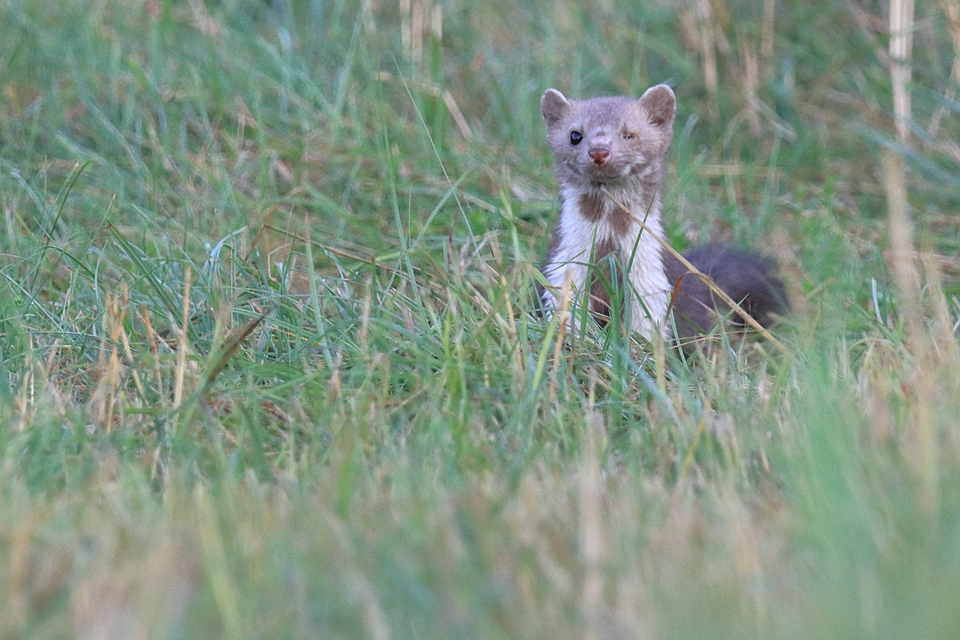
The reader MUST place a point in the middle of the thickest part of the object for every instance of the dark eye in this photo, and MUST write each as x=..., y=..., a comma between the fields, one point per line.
x=627, y=135
x=576, y=138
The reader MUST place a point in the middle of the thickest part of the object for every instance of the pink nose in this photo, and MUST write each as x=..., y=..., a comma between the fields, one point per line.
x=599, y=155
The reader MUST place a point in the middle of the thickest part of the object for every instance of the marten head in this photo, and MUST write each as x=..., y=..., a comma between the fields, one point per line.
x=603, y=140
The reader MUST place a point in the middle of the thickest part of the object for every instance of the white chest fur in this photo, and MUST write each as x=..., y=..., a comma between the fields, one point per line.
x=590, y=227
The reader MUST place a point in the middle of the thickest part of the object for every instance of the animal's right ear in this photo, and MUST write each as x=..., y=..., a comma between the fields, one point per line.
x=553, y=106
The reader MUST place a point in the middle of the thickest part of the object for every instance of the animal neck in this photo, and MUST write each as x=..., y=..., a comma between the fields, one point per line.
x=613, y=208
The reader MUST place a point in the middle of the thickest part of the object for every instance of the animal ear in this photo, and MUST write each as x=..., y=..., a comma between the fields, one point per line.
x=553, y=106
x=660, y=105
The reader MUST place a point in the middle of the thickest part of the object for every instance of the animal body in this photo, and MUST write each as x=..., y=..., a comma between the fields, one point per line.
x=610, y=158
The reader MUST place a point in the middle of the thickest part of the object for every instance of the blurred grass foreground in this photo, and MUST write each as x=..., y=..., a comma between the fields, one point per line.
x=269, y=366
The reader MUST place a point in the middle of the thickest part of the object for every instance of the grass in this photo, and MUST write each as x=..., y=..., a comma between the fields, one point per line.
x=268, y=358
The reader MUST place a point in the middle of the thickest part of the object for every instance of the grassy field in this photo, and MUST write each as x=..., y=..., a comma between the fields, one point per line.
x=269, y=365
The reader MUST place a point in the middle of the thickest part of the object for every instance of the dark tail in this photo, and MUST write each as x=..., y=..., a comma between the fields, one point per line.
x=750, y=279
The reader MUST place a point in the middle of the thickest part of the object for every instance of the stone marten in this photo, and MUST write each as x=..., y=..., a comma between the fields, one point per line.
x=611, y=152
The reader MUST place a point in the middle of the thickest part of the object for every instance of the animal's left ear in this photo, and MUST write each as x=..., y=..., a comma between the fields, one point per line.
x=660, y=105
